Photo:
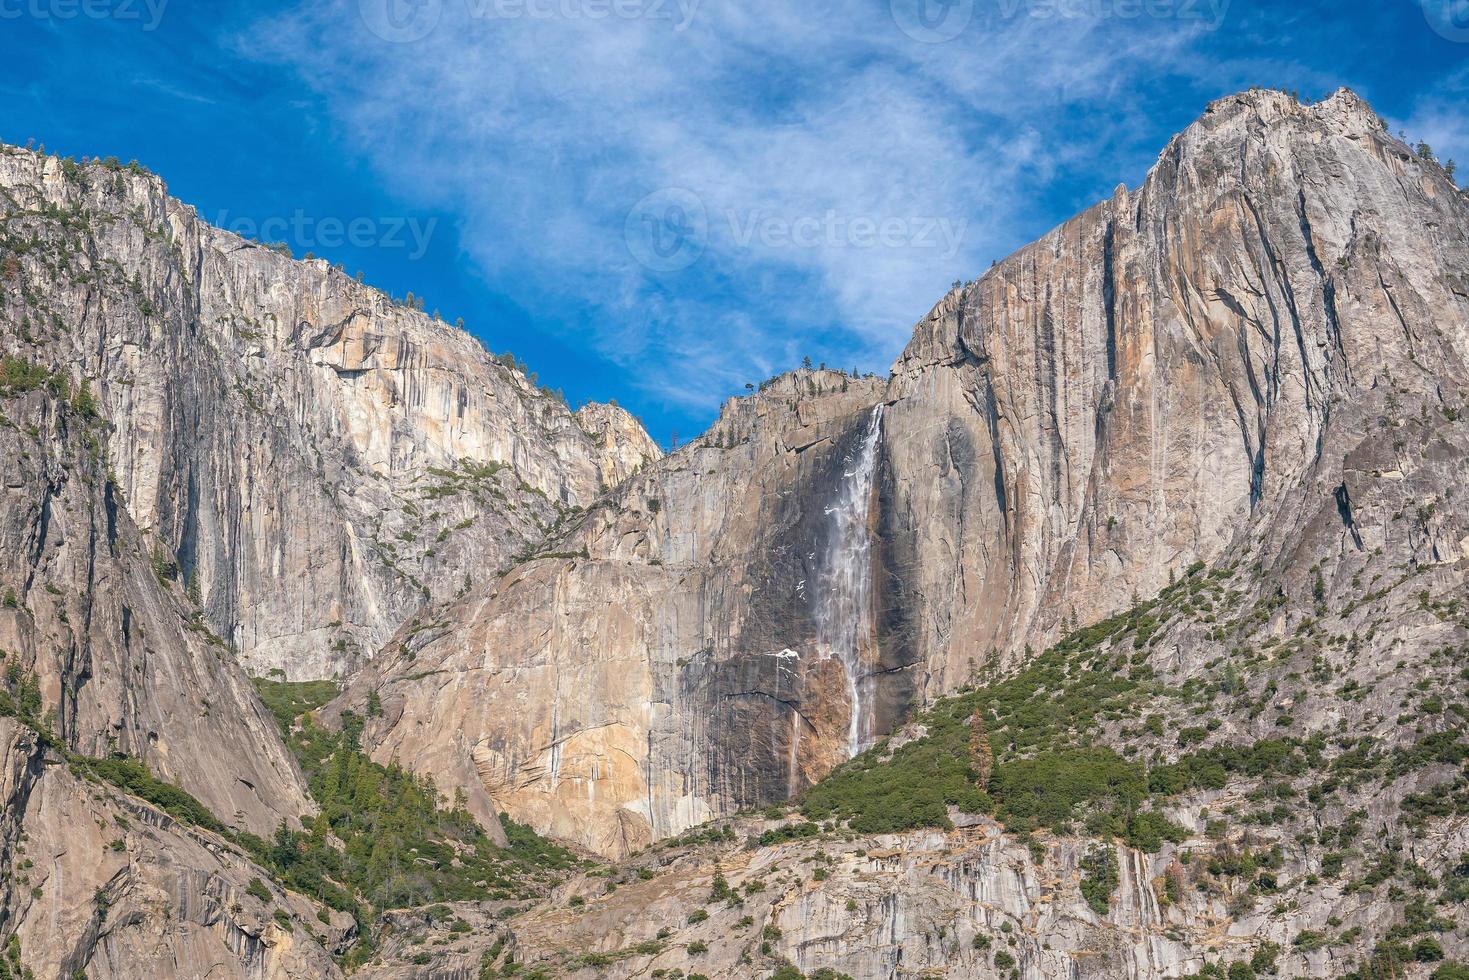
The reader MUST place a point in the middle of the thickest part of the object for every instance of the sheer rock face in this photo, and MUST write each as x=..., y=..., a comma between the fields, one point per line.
x=1156, y=378
x=1152, y=384
x=119, y=658
x=320, y=460
x=229, y=457
x=666, y=663
x=105, y=885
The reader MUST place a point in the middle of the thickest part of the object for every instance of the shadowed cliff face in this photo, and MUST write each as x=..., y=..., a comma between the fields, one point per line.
x=1150, y=385
x=811, y=678
x=701, y=652
x=119, y=658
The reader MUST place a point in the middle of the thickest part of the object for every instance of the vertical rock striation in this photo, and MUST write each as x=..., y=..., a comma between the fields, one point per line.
x=319, y=460
x=117, y=657
x=1155, y=380
x=1152, y=384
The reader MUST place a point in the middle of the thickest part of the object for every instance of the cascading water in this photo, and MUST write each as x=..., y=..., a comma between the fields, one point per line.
x=844, y=600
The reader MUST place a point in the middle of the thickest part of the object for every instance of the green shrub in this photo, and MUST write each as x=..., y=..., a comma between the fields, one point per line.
x=1099, y=879
x=18, y=377
x=133, y=777
x=1427, y=950
x=1049, y=789
x=288, y=700
x=789, y=832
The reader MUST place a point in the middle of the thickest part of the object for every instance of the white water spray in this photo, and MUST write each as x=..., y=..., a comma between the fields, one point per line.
x=844, y=602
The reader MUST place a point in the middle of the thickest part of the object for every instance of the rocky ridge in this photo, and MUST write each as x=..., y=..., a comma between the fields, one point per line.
x=217, y=458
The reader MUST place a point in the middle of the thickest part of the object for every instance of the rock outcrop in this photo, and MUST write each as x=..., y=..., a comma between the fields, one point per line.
x=117, y=657
x=103, y=885
x=899, y=905
x=318, y=459
x=1150, y=385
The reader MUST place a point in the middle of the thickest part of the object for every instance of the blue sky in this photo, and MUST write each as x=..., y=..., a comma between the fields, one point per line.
x=658, y=201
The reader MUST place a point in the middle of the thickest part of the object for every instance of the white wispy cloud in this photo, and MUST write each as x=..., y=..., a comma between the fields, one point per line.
x=1437, y=117
x=845, y=172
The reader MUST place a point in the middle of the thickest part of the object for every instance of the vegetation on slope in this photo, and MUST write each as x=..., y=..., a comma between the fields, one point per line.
x=11, y=967
x=1088, y=738
x=1040, y=737
x=1032, y=733
x=385, y=838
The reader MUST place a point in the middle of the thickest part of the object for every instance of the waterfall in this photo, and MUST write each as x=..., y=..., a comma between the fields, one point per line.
x=844, y=598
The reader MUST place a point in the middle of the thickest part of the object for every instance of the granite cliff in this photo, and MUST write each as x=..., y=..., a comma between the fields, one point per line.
x=1199, y=446
x=1173, y=376
x=318, y=459
x=218, y=459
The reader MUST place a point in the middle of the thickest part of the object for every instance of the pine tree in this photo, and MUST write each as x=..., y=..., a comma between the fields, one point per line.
x=980, y=752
